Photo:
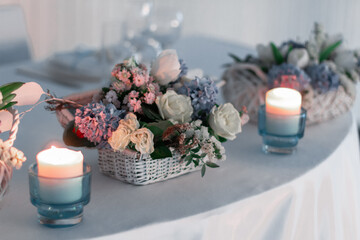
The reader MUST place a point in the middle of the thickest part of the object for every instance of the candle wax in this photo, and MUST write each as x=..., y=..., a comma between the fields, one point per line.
x=283, y=106
x=57, y=171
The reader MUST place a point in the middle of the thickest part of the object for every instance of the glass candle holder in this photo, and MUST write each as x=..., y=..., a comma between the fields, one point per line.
x=280, y=133
x=59, y=201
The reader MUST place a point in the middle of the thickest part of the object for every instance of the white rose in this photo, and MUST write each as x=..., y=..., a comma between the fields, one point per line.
x=345, y=60
x=175, y=107
x=265, y=53
x=166, y=68
x=130, y=121
x=299, y=57
x=120, y=139
x=225, y=121
x=143, y=139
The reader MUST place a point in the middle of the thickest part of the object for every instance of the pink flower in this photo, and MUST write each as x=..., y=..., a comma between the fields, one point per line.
x=124, y=76
x=154, y=88
x=137, y=107
x=115, y=71
x=118, y=86
x=133, y=94
x=149, y=98
x=139, y=79
x=149, y=79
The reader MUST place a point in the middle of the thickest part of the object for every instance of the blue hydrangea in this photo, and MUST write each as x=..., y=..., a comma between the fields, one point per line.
x=183, y=68
x=97, y=121
x=323, y=79
x=277, y=71
x=204, y=95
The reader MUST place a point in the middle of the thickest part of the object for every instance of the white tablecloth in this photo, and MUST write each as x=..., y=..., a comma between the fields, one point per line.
x=312, y=194
x=321, y=204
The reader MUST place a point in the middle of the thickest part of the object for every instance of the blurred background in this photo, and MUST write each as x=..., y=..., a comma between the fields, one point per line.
x=60, y=25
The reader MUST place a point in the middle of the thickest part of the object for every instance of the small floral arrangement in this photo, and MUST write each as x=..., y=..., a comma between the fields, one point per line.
x=157, y=112
x=11, y=95
x=320, y=64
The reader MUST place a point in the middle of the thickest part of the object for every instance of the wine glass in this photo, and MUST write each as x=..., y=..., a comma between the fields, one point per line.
x=165, y=25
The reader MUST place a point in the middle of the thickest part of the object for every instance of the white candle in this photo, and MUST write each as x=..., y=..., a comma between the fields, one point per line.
x=283, y=106
x=57, y=168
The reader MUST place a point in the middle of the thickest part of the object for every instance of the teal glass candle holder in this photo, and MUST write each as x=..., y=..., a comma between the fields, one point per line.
x=280, y=133
x=59, y=201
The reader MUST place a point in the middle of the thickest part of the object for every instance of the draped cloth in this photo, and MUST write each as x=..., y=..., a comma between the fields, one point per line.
x=321, y=204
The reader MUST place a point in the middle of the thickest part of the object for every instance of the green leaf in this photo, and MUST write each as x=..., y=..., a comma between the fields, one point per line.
x=327, y=51
x=151, y=111
x=10, y=87
x=189, y=161
x=203, y=170
x=161, y=151
x=71, y=139
x=8, y=105
x=155, y=130
x=158, y=128
x=221, y=139
x=196, y=162
x=277, y=54
x=212, y=165
x=291, y=47
x=235, y=58
x=196, y=149
x=7, y=101
x=8, y=98
x=163, y=125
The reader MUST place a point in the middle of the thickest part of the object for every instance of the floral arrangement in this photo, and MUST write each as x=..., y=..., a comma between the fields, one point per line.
x=11, y=95
x=320, y=64
x=157, y=112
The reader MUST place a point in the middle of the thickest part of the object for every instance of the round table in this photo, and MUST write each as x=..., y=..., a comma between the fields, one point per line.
x=312, y=194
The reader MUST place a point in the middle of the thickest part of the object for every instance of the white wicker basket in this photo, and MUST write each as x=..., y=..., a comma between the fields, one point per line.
x=6, y=169
x=130, y=166
x=246, y=85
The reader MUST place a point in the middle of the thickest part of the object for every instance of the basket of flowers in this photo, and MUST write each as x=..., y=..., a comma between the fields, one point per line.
x=321, y=69
x=150, y=126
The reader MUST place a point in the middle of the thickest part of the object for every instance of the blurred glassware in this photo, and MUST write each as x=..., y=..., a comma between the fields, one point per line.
x=114, y=48
x=165, y=24
x=123, y=39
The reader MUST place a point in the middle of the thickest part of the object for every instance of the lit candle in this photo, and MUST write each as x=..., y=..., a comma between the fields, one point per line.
x=283, y=106
x=60, y=163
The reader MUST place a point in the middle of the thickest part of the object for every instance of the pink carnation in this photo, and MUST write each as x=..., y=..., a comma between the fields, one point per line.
x=149, y=98
x=135, y=105
x=154, y=88
x=115, y=71
x=133, y=94
x=139, y=79
x=118, y=86
x=124, y=76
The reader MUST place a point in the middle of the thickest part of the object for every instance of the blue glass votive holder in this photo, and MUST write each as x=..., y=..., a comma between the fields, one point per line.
x=280, y=133
x=59, y=201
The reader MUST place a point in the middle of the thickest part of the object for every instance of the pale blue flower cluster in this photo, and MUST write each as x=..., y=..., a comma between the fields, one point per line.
x=277, y=71
x=323, y=79
x=97, y=121
x=183, y=68
x=204, y=95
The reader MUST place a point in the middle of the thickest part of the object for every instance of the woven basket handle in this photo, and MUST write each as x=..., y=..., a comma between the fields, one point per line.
x=14, y=128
